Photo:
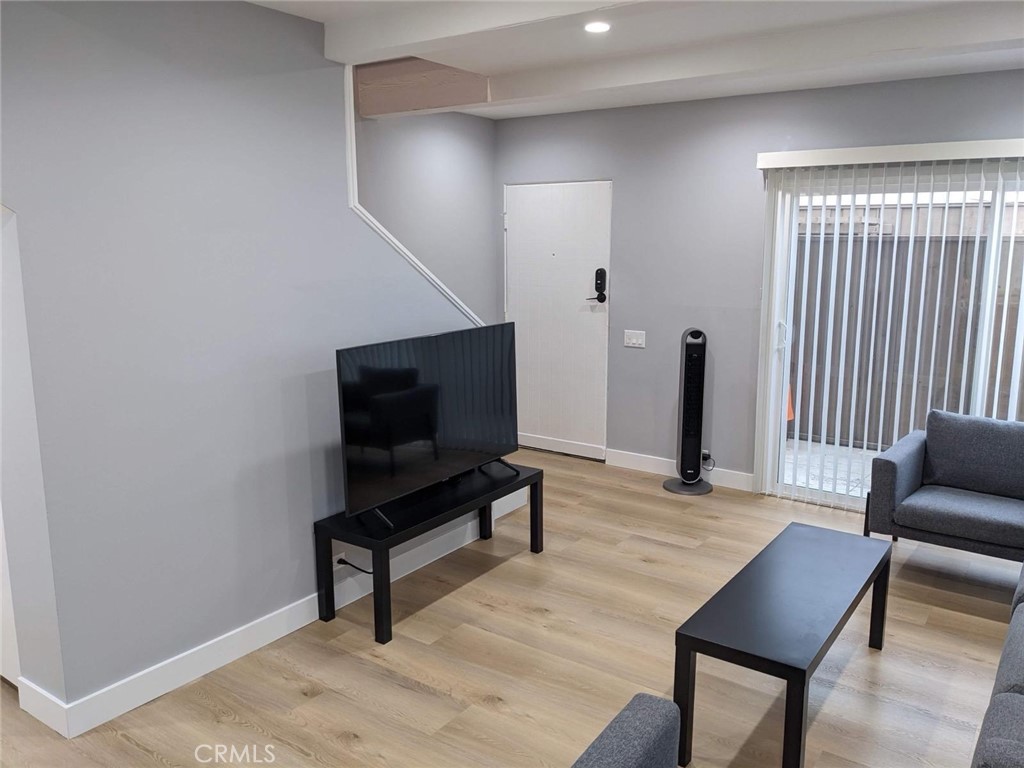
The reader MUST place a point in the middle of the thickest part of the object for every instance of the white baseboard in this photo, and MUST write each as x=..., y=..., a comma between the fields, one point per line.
x=43, y=706
x=585, y=450
x=641, y=462
x=727, y=478
x=81, y=715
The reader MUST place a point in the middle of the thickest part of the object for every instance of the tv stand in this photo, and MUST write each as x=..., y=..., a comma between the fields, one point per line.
x=413, y=516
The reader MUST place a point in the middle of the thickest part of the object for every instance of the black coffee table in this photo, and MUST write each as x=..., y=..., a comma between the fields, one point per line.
x=780, y=615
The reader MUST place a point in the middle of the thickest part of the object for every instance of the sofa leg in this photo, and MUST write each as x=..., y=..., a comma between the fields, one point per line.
x=867, y=506
x=895, y=537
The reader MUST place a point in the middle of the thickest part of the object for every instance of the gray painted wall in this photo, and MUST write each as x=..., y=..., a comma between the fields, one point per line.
x=688, y=222
x=190, y=266
x=430, y=180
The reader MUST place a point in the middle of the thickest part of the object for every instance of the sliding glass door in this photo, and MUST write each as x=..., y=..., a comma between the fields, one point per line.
x=893, y=289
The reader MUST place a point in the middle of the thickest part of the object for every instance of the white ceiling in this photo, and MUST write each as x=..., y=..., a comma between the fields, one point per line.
x=330, y=11
x=750, y=83
x=641, y=28
x=541, y=61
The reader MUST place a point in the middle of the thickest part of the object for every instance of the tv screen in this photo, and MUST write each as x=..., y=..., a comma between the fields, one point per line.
x=418, y=411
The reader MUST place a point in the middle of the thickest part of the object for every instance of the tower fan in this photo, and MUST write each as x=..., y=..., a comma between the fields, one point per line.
x=692, y=358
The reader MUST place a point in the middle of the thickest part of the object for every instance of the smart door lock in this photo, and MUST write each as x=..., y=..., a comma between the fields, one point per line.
x=600, y=284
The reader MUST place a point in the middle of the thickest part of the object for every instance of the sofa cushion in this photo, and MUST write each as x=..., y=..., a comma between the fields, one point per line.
x=1001, y=741
x=976, y=454
x=964, y=514
x=1010, y=675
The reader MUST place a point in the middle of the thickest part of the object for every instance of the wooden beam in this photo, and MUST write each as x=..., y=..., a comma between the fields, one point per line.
x=412, y=85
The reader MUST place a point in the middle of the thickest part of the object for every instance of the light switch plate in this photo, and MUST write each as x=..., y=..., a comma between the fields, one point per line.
x=636, y=339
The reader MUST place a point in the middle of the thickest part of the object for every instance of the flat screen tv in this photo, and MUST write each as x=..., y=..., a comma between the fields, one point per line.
x=415, y=412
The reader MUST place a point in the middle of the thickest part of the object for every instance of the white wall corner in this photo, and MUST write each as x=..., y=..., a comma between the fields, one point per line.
x=28, y=556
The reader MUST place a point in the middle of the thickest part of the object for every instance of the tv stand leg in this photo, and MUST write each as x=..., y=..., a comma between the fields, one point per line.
x=324, y=575
x=486, y=522
x=537, y=517
x=382, y=596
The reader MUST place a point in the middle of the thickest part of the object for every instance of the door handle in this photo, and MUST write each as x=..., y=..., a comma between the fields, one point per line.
x=600, y=283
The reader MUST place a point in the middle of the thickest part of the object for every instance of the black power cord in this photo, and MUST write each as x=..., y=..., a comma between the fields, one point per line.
x=343, y=561
x=705, y=458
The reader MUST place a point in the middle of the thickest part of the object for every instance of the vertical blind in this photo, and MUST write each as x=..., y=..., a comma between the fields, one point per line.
x=902, y=293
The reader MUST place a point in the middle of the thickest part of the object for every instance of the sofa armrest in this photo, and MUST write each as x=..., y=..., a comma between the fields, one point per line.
x=895, y=474
x=645, y=734
x=1018, y=596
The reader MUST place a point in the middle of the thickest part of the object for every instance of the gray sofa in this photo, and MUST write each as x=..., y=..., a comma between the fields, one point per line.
x=645, y=734
x=959, y=483
x=1001, y=741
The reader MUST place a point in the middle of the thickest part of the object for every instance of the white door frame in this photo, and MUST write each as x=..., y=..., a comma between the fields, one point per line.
x=773, y=343
x=549, y=444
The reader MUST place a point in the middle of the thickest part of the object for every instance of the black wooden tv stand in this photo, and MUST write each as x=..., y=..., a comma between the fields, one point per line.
x=414, y=516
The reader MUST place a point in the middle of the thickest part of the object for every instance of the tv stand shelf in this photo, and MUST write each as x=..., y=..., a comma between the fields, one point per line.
x=414, y=516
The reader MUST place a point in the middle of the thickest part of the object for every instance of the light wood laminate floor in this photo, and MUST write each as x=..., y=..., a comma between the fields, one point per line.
x=504, y=658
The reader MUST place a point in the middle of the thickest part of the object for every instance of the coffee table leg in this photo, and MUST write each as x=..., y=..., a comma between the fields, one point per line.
x=879, y=597
x=796, y=722
x=686, y=673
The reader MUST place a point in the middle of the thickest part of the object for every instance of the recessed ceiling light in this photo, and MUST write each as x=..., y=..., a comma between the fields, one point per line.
x=597, y=27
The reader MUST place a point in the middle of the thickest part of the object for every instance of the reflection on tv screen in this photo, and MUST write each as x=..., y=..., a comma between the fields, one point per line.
x=418, y=411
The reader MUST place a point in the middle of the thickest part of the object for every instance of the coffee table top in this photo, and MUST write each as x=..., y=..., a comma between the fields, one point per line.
x=789, y=603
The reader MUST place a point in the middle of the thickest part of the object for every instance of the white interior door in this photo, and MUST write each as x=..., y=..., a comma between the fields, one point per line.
x=556, y=237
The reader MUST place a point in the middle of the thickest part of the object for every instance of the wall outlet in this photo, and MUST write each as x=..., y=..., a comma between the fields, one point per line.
x=636, y=339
